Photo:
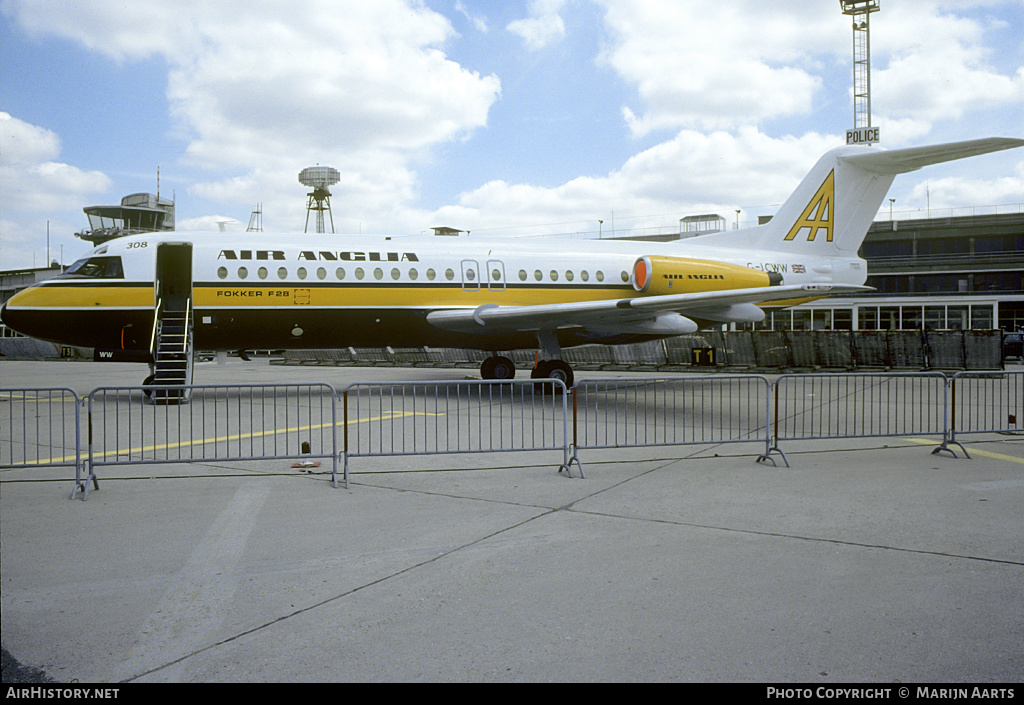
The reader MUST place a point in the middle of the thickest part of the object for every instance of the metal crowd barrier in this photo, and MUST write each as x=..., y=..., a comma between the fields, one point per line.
x=858, y=405
x=220, y=422
x=469, y=416
x=42, y=429
x=985, y=402
x=44, y=426
x=632, y=412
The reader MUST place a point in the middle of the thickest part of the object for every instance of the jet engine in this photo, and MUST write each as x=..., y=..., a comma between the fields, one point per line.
x=678, y=275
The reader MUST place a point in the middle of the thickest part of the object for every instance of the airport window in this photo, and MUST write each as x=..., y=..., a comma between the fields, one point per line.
x=321, y=273
x=262, y=272
x=243, y=272
x=395, y=274
x=999, y=243
x=222, y=272
x=339, y=273
x=301, y=272
x=282, y=273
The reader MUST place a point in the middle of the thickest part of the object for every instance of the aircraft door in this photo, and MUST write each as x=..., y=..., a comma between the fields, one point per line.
x=470, y=275
x=174, y=275
x=495, y=275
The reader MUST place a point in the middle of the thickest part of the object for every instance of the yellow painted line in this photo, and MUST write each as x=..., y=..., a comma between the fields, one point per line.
x=221, y=439
x=972, y=450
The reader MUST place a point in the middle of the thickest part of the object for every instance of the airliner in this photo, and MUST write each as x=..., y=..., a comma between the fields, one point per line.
x=248, y=291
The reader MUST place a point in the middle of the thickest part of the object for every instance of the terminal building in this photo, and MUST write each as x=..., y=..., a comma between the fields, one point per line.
x=951, y=273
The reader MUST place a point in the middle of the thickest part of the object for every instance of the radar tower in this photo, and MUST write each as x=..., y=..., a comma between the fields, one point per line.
x=319, y=178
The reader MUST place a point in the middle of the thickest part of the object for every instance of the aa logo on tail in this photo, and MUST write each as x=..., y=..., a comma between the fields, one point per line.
x=818, y=214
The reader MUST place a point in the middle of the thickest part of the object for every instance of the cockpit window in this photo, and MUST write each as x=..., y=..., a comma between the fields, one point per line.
x=96, y=267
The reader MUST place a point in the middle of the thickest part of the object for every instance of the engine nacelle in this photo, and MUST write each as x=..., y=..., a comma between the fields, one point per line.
x=679, y=275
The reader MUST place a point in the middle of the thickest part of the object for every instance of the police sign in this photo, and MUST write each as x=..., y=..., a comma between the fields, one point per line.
x=862, y=135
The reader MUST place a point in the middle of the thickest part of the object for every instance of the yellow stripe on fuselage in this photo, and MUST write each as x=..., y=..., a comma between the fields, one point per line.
x=390, y=296
x=84, y=296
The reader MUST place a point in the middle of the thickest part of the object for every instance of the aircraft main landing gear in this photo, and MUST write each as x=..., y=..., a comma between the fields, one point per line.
x=497, y=367
x=554, y=369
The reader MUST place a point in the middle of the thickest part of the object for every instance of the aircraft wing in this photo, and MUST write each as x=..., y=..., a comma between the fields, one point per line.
x=660, y=315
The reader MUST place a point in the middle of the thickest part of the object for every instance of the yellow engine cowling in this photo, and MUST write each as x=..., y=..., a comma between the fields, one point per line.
x=679, y=275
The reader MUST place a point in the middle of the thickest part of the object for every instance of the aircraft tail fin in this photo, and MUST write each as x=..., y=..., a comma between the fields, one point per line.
x=831, y=210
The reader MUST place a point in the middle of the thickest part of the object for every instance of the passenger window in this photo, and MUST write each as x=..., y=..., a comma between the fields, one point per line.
x=538, y=275
x=301, y=272
x=359, y=273
x=522, y=275
x=243, y=272
x=262, y=272
x=449, y=274
x=282, y=273
x=321, y=273
x=339, y=273
x=568, y=275
x=431, y=274
x=395, y=274
x=554, y=275
x=413, y=274
x=585, y=275
x=222, y=272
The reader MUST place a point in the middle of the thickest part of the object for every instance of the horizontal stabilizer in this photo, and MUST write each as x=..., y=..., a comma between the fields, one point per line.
x=901, y=161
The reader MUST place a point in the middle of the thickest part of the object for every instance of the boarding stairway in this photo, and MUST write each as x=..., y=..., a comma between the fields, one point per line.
x=171, y=347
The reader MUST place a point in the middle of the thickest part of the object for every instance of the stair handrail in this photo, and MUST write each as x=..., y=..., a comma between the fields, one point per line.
x=188, y=326
x=156, y=321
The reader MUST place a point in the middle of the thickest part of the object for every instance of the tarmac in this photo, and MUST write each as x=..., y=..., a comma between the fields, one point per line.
x=866, y=561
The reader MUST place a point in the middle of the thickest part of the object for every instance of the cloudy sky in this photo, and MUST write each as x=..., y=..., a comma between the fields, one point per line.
x=520, y=117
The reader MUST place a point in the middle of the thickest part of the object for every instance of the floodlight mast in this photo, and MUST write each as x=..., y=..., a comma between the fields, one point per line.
x=319, y=178
x=861, y=11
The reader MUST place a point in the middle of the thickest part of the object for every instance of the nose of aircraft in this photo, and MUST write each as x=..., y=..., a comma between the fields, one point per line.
x=12, y=317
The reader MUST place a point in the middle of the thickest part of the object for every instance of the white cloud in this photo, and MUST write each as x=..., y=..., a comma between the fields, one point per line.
x=714, y=66
x=478, y=22
x=264, y=88
x=952, y=192
x=32, y=181
x=542, y=27
x=693, y=172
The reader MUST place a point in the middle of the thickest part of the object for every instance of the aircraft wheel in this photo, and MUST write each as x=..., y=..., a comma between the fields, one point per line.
x=553, y=369
x=145, y=386
x=497, y=367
